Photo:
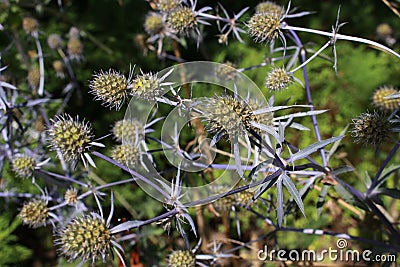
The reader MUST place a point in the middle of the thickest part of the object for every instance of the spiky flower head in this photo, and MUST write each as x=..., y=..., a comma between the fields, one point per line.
x=371, y=128
x=71, y=137
x=182, y=258
x=34, y=213
x=278, y=79
x=71, y=196
x=111, y=87
x=168, y=5
x=182, y=19
x=154, y=23
x=265, y=27
x=225, y=203
x=233, y=116
x=387, y=104
x=34, y=77
x=127, y=154
x=147, y=86
x=85, y=238
x=24, y=165
x=227, y=71
x=130, y=130
x=75, y=48
x=30, y=25
x=244, y=198
x=384, y=29
x=54, y=41
x=58, y=66
x=269, y=7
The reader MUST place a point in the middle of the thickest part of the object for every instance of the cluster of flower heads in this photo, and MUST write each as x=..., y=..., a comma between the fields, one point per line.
x=181, y=258
x=74, y=46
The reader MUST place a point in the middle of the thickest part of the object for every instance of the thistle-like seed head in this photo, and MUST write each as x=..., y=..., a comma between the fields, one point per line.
x=54, y=41
x=24, y=165
x=127, y=154
x=182, y=19
x=30, y=25
x=75, y=48
x=265, y=27
x=130, y=130
x=34, y=77
x=111, y=87
x=168, y=5
x=147, y=87
x=182, y=258
x=227, y=71
x=70, y=136
x=278, y=79
x=371, y=128
x=269, y=7
x=85, y=238
x=233, y=116
x=71, y=196
x=154, y=23
x=381, y=102
x=34, y=213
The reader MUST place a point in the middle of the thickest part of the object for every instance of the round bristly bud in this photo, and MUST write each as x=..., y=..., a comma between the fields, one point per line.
x=70, y=136
x=269, y=7
x=75, y=48
x=30, y=25
x=278, y=79
x=371, y=128
x=182, y=19
x=264, y=27
x=167, y=5
x=232, y=116
x=34, y=77
x=154, y=23
x=388, y=104
x=24, y=165
x=54, y=41
x=127, y=154
x=131, y=130
x=147, y=87
x=85, y=238
x=71, y=196
x=182, y=258
x=227, y=71
x=111, y=87
x=34, y=213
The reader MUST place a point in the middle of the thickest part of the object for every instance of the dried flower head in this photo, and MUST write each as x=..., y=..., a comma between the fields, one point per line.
x=154, y=23
x=30, y=25
x=34, y=213
x=232, y=116
x=167, y=5
x=34, y=77
x=227, y=71
x=182, y=258
x=54, y=41
x=371, y=128
x=24, y=165
x=269, y=7
x=58, y=66
x=147, y=87
x=86, y=238
x=182, y=19
x=111, y=87
x=383, y=103
x=71, y=137
x=278, y=79
x=71, y=196
x=265, y=27
x=131, y=130
x=75, y=48
x=127, y=154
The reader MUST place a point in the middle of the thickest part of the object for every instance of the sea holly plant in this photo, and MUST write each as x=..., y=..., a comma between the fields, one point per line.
x=206, y=144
